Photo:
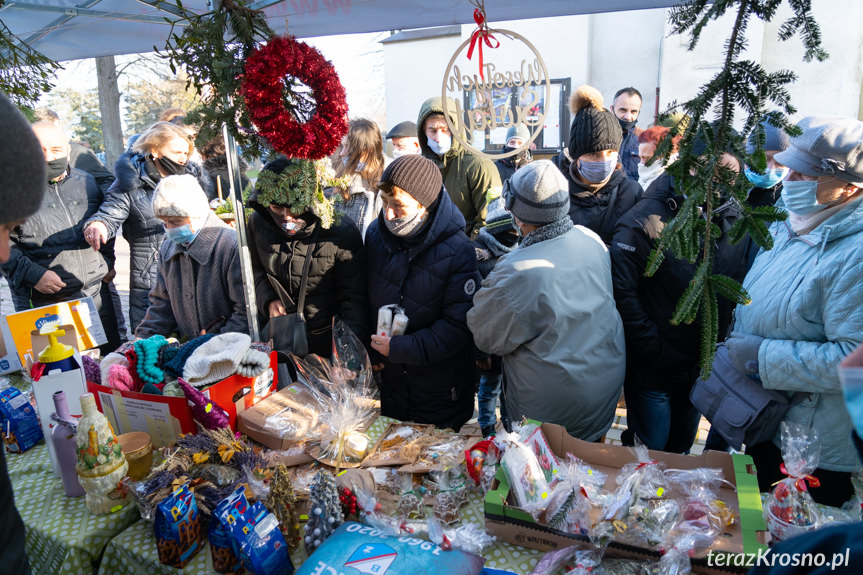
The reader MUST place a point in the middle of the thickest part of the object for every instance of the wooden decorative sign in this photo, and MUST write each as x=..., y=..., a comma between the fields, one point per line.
x=483, y=97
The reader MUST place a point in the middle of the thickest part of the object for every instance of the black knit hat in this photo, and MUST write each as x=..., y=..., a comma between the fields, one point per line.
x=594, y=128
x=417, y=176
x=22, y=165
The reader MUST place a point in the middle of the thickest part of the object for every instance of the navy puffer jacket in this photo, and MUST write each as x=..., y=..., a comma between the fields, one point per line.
x=429, y=374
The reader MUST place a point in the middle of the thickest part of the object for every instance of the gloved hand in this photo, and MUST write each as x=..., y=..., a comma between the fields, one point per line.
x=743, y=352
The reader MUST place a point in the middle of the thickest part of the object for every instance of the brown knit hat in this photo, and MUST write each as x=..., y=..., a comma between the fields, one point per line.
x=22, y=165
x=417, y=176
x=594, y=128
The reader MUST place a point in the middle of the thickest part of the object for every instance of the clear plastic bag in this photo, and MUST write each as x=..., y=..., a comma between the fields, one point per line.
x=525, y=477
x=569, y=504
x=790, y=509
x=640, y=480
x=704, y=516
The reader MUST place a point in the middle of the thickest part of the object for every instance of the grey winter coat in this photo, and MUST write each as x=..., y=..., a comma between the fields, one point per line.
x=199, y=287
x=128, y=204
x=552, y=319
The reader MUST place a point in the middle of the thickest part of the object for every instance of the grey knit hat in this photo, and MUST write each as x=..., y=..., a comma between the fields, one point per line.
x=775, y=139
x=537, y=194
x=180, y=196
x=416, y=175
x=594, y=128
x=518, y=131
x=498, y=220
x=828, y=146
x=22, y=165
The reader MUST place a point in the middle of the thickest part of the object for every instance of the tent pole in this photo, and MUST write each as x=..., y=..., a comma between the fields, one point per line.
x=240, y=220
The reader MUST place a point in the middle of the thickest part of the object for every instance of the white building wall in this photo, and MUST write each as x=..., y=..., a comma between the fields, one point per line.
x=613, y=50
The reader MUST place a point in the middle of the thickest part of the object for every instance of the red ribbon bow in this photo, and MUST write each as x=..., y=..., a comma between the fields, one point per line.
x=480, y=35
x=801, y=482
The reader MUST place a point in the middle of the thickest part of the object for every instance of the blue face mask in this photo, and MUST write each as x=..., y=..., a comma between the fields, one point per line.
x=182, y=235
x=766, y=180
x=800, y=197
x=596, y=172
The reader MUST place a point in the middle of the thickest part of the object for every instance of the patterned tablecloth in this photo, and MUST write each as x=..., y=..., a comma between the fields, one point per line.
x=62, y=537
x=134, y=550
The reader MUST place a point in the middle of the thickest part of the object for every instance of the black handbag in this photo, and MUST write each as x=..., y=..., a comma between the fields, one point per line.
x=738, y=407
x=288, y=333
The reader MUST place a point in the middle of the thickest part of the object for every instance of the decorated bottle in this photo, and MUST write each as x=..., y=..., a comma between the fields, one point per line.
x=101, y=464
x=65, y=444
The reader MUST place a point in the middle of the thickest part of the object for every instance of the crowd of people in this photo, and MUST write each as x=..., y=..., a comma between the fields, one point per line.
x=521, y=278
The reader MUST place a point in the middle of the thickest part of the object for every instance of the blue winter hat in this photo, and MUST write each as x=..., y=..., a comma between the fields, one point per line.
x=775, y=139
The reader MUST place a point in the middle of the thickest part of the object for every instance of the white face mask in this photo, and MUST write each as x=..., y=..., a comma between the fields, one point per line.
x=400, y=153
x=442, y=146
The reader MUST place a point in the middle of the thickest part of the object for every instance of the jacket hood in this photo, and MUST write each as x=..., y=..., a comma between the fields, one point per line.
x=435, y=106
x=446, y=221
x=844, y=223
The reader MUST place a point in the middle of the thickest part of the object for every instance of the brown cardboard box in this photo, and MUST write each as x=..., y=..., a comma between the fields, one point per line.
x=508, y=522
x=294, y=409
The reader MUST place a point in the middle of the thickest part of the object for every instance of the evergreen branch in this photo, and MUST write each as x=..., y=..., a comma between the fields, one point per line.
x=690, y=301
x=25, y=73
x=730, y=289
x=558, y=520
x=709, y=329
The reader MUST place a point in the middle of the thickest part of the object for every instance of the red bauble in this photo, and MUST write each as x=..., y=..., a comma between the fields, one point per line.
x=263, y=85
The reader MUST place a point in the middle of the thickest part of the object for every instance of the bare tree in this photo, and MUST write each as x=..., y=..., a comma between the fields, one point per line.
x=109, y=106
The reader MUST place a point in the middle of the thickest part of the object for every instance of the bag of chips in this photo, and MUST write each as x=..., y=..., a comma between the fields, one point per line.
x=179, y=536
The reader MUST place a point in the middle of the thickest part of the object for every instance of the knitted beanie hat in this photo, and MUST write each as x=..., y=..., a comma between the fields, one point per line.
x=253, y=364
x=417, y=176
x=174, y=359
x=119, y=377
x=216, y=359
x=518, y=131
x=498, y=219
x=22, y=165
x=775, y=139
x=594, y=128
x=180, y=196
x=537, y=194
x=113, y=358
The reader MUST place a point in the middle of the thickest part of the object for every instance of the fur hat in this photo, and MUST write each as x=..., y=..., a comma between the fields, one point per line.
x=180, y=196
x=537, y=194
x=216, y=359
x=594, y=128
x=828, y=146
x=22, y=165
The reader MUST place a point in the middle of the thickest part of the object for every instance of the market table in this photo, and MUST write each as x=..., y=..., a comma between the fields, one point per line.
x=62, y=536
x=134, y=550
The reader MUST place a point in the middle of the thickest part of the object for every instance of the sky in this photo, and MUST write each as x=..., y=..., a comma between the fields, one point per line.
x=358, y=59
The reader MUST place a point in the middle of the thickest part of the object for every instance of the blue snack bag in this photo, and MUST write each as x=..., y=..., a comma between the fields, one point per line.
x=179, y=536
x=20, y=426
x=222, y=548
x=255, y=535
x=367, y=550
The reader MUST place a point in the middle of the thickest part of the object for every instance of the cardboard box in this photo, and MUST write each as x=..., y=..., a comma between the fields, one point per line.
x=80, y=313
x=9, y=360
x=298, y=410
x=165, y=417
x=509, y=523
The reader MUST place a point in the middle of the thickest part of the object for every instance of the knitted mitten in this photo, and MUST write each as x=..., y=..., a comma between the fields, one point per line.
x=253, y=364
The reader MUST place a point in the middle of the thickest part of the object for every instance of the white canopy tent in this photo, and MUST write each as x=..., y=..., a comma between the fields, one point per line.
x=72, y=29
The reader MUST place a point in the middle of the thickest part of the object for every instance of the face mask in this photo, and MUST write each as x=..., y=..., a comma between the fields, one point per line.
x=399, y=153
x=56, y=168
x=170, y=167
x=596, y=172
x=766, y=180
x=405, y=226
x=442, y=147
x=799, y=197
x=293, y=226
x=646, y=172
x=182, y=235
x=627, y=126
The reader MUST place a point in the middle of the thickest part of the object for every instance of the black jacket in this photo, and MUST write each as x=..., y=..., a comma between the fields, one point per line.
x=588, y=208
x=660, y=355
x=53, y=239
x=128, y=204
x=429, y=374
x=337, y=274
x=83, y=158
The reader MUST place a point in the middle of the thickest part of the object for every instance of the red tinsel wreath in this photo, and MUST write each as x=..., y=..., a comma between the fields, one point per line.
x=263, y=85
